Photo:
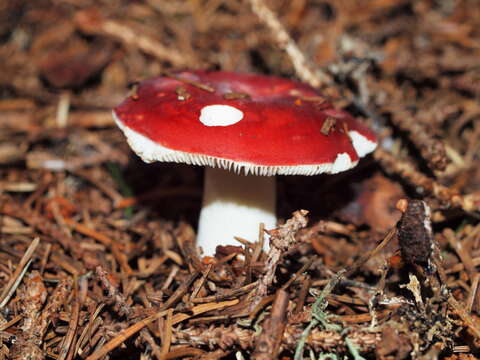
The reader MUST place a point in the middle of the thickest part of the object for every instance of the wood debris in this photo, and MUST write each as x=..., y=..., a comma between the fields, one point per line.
x=97, y=250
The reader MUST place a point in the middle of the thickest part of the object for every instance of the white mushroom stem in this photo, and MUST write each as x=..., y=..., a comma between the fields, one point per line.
x=234, y=205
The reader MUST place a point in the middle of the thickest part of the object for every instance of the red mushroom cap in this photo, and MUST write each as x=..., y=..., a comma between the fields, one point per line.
x=264, y=124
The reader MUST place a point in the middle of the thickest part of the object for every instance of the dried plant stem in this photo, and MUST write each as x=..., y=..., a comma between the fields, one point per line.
x=319, y=339
x=167, y=338
x=20, y=271
x=268, y=342
x=302, y=67
x=431, y=148
x=469, y=203
x=145, y=334
x=85, y=230
x=88, y=330
x=124, y=335
x=92, y=22
x=69, y=343
x=227, y=294
x=12, y=322
x=182, y=290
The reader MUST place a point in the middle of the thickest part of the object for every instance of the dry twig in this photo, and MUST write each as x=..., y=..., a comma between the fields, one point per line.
x=92, y=22
x=302, y=67
x=469, y=202
x=267, y=344
x=20, y=271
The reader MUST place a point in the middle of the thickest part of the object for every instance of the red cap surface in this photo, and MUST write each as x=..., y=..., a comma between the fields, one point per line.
x=264, y=124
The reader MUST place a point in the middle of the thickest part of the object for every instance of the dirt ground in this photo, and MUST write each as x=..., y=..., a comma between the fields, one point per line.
x=97, y=248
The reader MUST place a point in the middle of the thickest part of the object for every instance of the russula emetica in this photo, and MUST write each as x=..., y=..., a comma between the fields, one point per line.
x=244, y=128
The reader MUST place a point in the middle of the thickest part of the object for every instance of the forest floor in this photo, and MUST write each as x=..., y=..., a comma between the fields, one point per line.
x=97, y=248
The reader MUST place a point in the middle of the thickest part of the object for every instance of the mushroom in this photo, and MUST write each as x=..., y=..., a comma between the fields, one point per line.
x=244, y=128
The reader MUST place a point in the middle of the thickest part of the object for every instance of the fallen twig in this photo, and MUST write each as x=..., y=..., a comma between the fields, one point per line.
x=267, y=344
x=303, y=68
x=20, y=271
x=469, y=203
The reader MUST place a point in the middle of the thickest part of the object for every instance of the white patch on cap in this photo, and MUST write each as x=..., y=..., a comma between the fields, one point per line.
x=220, y=115
x=361, y=144
x=342, y=163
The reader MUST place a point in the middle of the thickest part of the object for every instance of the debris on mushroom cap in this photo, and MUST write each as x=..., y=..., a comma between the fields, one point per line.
x=271, y=126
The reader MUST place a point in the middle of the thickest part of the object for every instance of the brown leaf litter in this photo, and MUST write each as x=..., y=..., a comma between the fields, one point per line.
x=97, y=250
